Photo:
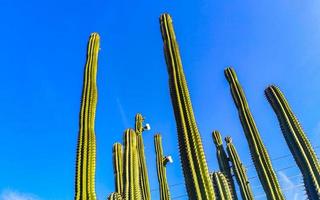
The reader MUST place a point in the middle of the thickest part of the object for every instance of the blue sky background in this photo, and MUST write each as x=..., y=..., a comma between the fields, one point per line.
x=43, y=46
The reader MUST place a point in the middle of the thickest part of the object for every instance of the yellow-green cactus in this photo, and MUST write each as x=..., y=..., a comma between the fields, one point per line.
x=223, y=162
x=194, y=165
x=144, y=180
x=161, y=168
x=117, y=155
x=221, y=186
x=239, y=171
x=258, y=151
x=86, y=149
x=115, y=196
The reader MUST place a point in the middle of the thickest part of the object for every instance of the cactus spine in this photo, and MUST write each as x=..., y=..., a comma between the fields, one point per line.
x=221, y=186
x=196, y=174
x=258, y=151
x=223, y=161
x=161, y=168
x=239, y=171
x=297, y=141
x=86, y=149
x=118, y=167
x=144, y=180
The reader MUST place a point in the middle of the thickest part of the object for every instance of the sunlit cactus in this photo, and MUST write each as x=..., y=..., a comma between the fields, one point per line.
x=258, y=151
x=239, y=171
x=297, y=141
x=161, y=168
x=144, y=180
x=117, y=155
x=131, y=183
x=223, y=162
x=194, y=165
x=86, y=149
x=115, y=196
x=221, y=186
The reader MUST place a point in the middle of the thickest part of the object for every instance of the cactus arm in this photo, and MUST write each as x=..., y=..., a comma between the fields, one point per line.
x=115, y=196
x=196, y=174
x=223, y=162
x=161, y=168
x=258, y=151
x=131, y=167
x=144, y=180
x=239, y=171
x=117, y=155
x=86, y=148
x=221, y=186
x=297, y=141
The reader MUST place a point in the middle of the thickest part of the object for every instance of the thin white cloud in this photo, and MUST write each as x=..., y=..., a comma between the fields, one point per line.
x=290, y=189
x=15, y=195
x=122, y=114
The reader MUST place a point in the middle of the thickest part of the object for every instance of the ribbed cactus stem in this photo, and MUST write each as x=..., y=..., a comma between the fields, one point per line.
x=115, y=196
x=258, y=151
x=297, y=141
x=239, y=171
x=223, y=161
x=86, y=149
x=144, y=180
x=221, y=186
x=131, y=167
x=194, y=165
x=117, y=155
x=161, y=168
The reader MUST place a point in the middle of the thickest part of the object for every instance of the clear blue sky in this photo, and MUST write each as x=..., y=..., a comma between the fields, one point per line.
x=43, y=46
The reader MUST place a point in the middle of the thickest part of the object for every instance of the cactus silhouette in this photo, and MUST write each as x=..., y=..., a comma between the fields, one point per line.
x=86, y=148
x=194, y=165
x=297, y=141
x=239, y=171
x=221, y=186
x=144, y=180
x=117, y=155
x=258, y=151
x=223, y=162
x=161, y=168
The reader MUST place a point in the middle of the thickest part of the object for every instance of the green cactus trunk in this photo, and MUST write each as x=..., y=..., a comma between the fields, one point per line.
x=86, y=149
x=223, y=162
x=239, y=171
x=258, y=151
x=196, y=174
x=144, y=180
x=161, y=168
x=115, y=196
x=297, y=141
x=221, y=186
x=131, y=164
x=118, y=167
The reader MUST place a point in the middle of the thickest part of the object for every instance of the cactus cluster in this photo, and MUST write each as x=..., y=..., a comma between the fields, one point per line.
x=129, y=162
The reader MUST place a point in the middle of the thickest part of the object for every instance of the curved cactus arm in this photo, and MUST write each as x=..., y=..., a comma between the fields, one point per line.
x=194, y=165
x=161, y=168
x=223, y=162
x=117, y=155
x=115, y=196
x=258, y=151
x=86, y=149
x=297, y=141
x=239, y=171
x=221, y=186
x=131, y=167
x=144, y=179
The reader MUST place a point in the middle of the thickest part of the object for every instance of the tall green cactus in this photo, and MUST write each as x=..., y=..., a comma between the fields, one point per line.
x=258, y=151
x=239, y=171
x=221, y=186
x=223, y=162
x=196, y=174
x=86, y=149
x=161, y=168
x=131, y=163
x=297, y=141
x=144, y=180
x=117, y=155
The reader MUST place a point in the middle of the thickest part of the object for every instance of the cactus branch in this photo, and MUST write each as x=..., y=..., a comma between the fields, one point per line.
x=221, y=186
x=118, y=167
